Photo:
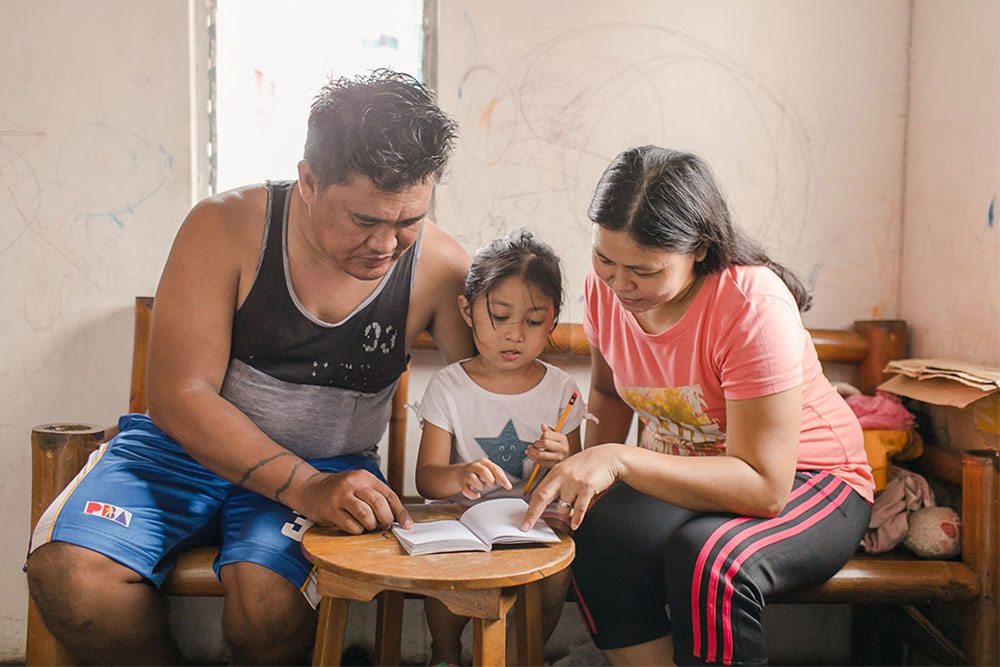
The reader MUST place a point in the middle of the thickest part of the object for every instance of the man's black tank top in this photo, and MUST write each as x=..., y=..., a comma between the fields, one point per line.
x=274, y=334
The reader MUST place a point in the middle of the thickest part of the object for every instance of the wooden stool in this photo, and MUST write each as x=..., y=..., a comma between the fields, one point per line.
x=483, y=586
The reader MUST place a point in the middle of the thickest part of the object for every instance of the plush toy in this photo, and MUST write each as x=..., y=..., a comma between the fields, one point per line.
x=934, y=532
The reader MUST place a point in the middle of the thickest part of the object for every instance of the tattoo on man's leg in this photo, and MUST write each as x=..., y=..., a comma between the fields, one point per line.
x=288, y=482
x=257, y=465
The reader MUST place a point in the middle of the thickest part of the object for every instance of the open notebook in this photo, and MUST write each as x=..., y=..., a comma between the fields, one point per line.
x=489, y=522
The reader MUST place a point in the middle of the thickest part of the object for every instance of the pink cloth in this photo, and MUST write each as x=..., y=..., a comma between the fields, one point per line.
x=741, y=337
x=905, y=492
x=882, y=411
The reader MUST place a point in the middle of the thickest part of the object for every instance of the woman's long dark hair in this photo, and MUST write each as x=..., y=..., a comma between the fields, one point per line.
x=670, y=200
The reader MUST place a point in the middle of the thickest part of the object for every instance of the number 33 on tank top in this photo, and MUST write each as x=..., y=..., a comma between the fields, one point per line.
x=378, y=339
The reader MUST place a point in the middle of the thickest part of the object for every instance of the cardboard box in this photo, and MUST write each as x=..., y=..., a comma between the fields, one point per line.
x=963, y=417
x=976, y=426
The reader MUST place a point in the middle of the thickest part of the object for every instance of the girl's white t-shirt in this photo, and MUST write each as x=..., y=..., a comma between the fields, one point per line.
x=498, y=426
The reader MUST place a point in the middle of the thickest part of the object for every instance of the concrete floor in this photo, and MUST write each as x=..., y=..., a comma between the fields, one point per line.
x=196, y=624
x=795, y=634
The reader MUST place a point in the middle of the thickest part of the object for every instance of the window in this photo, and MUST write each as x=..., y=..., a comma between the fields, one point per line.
x=272, y=56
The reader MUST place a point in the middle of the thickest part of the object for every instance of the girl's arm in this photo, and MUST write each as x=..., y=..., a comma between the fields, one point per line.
x=437, y=478
x=753, y=477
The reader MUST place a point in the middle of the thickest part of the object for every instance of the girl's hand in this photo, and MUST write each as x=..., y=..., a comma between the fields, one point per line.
x=575, y=482
x=476, y=475
x=549, y=449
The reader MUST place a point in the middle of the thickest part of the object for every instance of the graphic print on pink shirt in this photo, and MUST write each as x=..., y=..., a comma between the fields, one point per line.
x=675, y=420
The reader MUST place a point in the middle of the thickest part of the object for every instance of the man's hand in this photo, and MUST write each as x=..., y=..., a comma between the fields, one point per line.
x=476, y=475
x=354, y=501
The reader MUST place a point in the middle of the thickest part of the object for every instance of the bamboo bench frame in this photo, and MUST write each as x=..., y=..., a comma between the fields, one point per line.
x=60, y=450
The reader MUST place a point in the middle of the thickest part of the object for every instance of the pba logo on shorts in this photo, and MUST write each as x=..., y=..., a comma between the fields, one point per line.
x=110, y=512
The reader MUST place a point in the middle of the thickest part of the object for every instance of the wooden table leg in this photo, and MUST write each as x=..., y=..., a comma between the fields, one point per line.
x=528, y=624
x=489, y=642
x=389, y=627
x=330, y=631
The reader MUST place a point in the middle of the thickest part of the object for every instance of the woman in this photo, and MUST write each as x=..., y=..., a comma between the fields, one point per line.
x=751, y=477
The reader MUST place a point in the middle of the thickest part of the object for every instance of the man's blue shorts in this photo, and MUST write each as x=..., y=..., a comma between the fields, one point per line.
x=140, y=500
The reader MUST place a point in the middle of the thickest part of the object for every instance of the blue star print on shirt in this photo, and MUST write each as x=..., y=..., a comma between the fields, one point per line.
x=506, y=450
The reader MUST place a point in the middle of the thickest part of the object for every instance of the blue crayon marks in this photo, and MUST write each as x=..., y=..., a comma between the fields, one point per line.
x=814, y=275
x=989, y=216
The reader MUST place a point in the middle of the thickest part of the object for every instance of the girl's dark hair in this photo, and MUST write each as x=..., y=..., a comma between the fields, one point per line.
x=517, y=254
x=384, y=125
x=668, y=199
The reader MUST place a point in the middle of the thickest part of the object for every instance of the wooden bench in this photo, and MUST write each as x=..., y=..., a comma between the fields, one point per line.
x=973, y=583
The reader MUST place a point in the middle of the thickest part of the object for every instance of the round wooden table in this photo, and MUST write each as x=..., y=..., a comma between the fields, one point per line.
x=480, y=585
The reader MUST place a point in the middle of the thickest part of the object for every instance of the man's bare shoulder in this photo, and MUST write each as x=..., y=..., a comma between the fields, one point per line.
x=218, y=245
x=235, y=213
x=441, y=255
x=227, y=227
x=440, y=277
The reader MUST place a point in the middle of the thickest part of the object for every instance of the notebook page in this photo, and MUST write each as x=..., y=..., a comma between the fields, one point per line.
x=437, y=537
x=498, y=521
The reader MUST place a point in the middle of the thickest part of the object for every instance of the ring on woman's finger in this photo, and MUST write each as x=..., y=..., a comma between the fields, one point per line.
x=564, y=505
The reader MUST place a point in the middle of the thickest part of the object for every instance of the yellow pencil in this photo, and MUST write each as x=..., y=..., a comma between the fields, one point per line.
x=562, y=418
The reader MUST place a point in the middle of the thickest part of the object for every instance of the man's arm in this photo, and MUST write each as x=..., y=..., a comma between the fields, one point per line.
x=189, y=353
x=447, y=264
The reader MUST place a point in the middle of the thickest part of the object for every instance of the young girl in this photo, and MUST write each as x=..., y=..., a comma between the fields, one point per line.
x=485, y=419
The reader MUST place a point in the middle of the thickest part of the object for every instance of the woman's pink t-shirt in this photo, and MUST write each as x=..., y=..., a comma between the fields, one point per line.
x=741, y=337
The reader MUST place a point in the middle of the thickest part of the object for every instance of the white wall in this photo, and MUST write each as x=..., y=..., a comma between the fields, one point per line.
x=95, y=178
x=951, y=246
x=801, y=107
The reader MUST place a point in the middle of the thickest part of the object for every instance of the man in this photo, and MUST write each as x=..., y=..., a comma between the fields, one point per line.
x=282, y=323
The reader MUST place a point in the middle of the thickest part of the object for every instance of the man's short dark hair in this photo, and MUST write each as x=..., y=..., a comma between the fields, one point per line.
x=384, y=125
